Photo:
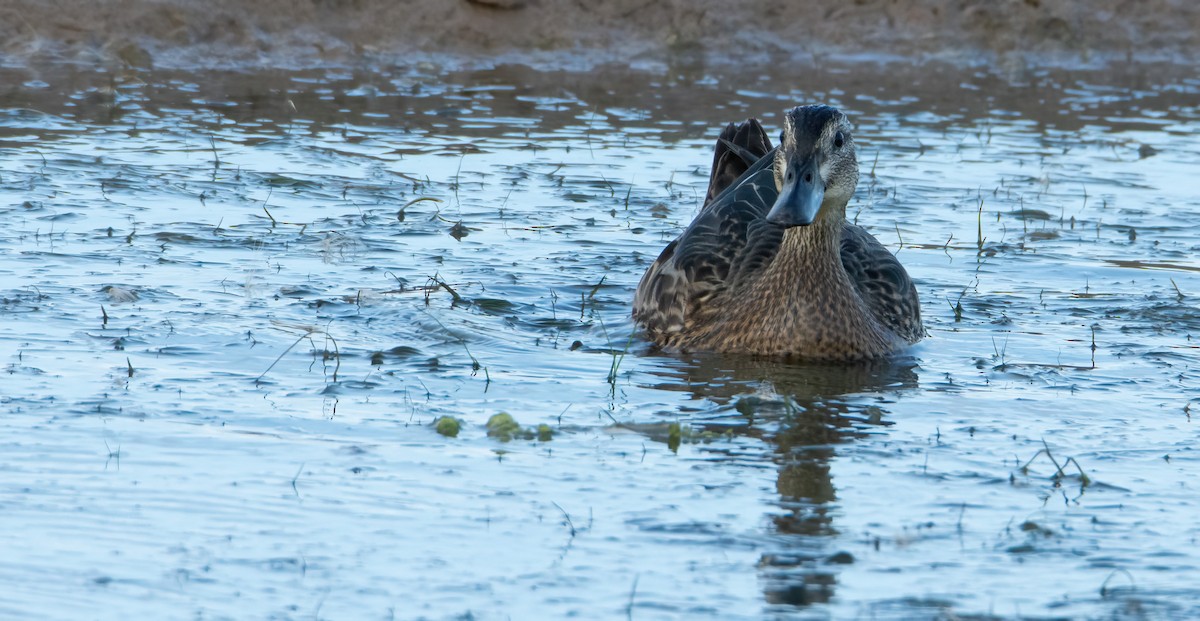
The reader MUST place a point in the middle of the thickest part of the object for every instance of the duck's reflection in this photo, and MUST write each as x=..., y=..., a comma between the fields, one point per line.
x=803, y=411
x=722, y=379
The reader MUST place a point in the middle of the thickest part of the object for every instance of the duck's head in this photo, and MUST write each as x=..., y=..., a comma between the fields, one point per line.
x=816, y=168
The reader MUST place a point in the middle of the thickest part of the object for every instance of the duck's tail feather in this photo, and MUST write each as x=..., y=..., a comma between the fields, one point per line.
x=738, y=148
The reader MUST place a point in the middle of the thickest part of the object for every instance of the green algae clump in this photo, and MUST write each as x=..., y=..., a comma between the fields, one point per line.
x=448, y=426
x=503, y=427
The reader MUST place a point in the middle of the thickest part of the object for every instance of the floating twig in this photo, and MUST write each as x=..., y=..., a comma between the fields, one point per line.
x=1059, y=468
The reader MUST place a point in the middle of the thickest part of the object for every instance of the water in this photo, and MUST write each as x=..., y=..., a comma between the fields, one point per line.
x=234, y=303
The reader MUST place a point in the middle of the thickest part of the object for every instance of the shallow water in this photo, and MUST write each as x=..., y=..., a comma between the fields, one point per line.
x=234, y=302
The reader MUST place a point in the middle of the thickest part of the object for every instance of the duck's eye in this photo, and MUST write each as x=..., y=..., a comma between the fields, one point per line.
x=839, y=139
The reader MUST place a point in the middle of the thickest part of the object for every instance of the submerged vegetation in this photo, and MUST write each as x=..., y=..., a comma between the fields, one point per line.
x=505, y=428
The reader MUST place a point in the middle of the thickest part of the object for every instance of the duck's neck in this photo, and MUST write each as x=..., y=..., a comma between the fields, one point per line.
x=817, y=246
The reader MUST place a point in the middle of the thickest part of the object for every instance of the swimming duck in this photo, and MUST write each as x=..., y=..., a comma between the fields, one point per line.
x=770, y=266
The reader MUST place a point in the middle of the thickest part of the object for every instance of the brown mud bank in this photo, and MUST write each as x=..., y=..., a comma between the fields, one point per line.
x=303, y=32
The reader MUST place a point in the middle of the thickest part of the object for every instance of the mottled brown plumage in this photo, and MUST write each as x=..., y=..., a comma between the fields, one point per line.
x=770, y=265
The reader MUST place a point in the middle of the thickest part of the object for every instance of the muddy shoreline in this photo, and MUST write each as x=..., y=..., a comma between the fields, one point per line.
x=286, y=33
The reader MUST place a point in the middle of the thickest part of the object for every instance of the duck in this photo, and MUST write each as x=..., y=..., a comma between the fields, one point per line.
x=770, y=266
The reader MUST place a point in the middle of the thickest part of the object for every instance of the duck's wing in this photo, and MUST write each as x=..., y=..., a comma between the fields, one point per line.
x=728, y=241
x=738, y=148
x=882, y=283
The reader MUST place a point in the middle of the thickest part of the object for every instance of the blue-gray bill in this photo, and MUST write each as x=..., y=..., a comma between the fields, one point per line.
x=801, y=195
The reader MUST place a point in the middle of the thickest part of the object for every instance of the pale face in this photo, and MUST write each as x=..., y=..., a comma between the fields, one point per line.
x=816, y=167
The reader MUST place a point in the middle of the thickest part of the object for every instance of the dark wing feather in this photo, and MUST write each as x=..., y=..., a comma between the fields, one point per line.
x=738, y=148
x=727, y=241
x=882, y=283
